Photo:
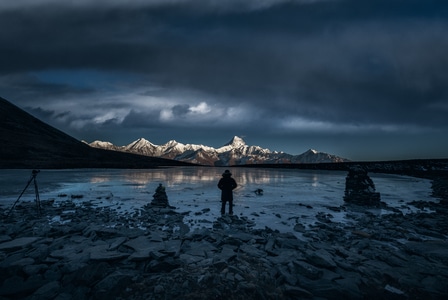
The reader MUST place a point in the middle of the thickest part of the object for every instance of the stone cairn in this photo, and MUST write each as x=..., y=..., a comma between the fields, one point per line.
x=359, y=188
x=160, y=199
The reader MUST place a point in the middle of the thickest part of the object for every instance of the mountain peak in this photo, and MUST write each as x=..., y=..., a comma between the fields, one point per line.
x=236, y=141
x=142, y=141
x=312, y=151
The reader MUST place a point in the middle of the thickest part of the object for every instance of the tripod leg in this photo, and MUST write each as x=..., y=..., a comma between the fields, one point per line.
x=29, y=181
x=36, y=191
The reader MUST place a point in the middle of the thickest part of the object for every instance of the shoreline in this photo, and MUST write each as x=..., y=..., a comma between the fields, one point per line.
x=94, y=253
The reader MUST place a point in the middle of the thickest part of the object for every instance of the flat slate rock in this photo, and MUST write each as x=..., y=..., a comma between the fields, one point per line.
x=67, y=252
x=202, y=248
x=144, y=248
x=434, y=248
x=142, y=243
x=227, y=253
x=18, y=243
x=252, y=251
x=320, y=258
x=102, y=253
x=5, y=238
x=172, y=246
x=115, y=243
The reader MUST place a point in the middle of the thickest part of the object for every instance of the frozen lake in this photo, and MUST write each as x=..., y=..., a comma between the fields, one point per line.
x=289, y=195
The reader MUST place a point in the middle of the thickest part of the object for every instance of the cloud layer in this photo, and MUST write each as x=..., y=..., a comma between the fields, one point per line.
x=273, y=70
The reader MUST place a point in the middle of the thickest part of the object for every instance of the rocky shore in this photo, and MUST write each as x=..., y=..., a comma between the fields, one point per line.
x=84, y=252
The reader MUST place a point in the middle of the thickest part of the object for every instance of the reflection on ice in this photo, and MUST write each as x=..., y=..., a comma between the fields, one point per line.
x=289, y=196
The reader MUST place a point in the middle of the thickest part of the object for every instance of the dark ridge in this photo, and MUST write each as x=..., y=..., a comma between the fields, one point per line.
x=27, y=142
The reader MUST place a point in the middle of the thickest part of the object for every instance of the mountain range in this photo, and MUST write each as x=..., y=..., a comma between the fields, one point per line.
x=235, y=152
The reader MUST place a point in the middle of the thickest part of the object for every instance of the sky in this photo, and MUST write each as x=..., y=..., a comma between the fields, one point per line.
x=364, y=80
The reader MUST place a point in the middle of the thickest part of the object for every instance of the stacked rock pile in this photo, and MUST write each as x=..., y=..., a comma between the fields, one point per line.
x=359, y=188
x=160, y=199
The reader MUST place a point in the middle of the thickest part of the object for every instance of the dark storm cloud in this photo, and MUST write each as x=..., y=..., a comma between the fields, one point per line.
x=142, y=120
x=181, y=110
x=303, y=65
x=41, y=113
x=27, y=88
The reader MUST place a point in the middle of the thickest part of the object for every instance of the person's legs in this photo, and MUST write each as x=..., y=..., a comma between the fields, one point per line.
x=230, y=207
x=223, y=207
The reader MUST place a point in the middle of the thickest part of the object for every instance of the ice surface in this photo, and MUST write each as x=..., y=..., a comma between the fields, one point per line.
x=290, y=196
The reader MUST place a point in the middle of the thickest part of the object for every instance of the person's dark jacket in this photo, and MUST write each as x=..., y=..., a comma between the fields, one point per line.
x=227, y=184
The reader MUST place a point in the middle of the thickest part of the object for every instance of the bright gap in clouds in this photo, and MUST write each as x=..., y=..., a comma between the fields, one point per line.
x=201, y=108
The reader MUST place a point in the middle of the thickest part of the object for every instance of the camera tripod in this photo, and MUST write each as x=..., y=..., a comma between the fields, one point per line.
x=36, y=191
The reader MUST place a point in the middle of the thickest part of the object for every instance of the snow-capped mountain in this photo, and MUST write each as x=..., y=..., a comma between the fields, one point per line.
x=235, y=152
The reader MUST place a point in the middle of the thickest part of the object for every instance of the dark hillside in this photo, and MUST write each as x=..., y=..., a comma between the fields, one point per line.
x=27, y=142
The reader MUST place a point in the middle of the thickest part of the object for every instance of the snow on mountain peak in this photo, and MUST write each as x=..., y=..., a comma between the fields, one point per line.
x=141, y=142
x=101, y=144
x=171, y=143
x=236, y=141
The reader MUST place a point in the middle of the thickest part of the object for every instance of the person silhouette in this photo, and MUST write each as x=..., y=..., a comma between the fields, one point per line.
x=227, y=184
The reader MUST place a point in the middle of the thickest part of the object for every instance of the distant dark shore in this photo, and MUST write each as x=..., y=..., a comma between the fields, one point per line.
x=423, y=168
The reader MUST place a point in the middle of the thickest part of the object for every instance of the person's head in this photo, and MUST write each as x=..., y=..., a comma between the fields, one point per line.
x=226, y=173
